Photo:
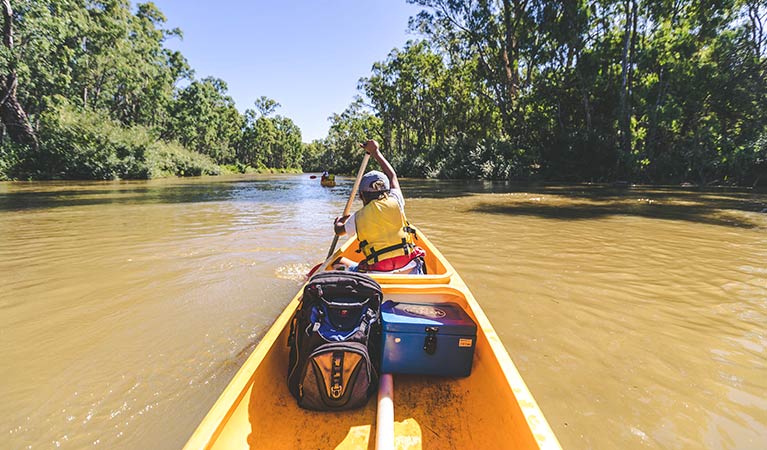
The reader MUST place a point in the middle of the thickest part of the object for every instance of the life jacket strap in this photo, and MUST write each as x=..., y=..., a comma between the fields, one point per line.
x=374, y=254
x=394, y=263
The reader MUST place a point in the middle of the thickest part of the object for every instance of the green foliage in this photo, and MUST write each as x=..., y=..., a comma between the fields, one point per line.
x=11, y=159
x=204, y=118
x=340, y=149
x=86, y=145
x=647, y=91
x=101, y=88
x=171, y=159
x=636, y=90
x=97, y=54
x=314, y=157
x=269, y=141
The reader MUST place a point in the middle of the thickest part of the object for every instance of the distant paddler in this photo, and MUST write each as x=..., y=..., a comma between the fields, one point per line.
x=327, y=179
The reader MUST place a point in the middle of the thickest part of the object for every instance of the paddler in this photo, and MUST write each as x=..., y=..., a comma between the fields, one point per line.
x=385, y=238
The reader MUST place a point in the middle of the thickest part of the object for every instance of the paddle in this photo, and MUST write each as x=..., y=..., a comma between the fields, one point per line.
x=385, y=413
x=347, y=210
x=350, y=202
x=311, y=177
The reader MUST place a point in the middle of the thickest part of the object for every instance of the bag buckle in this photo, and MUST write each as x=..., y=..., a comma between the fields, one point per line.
x=336, y=375
x=335, y=391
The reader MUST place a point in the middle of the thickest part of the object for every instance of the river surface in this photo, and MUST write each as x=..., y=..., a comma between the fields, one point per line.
x=637, y=317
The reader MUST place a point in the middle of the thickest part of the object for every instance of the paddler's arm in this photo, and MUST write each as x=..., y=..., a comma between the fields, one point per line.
x=373, y=149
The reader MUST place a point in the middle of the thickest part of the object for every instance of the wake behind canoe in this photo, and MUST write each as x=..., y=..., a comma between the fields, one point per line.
x=492, y=408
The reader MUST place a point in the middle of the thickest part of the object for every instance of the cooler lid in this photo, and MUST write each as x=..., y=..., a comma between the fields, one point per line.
x=450, y=318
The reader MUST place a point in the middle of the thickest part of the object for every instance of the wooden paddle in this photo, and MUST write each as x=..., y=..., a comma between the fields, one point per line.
x=350, y=202
x=347, y=210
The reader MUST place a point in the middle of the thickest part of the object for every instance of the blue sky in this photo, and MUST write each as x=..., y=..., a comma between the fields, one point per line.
x=307, y=55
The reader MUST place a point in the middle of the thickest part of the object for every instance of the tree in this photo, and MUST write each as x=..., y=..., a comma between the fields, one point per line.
x=273, y=142
x=204, y=118
x=12, y=113
x=266, y=106
x=354, y=125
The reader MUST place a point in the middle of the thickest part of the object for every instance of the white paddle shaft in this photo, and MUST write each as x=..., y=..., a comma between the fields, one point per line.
x=385, y=418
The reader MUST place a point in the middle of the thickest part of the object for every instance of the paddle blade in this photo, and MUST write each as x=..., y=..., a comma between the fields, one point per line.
x=313, y=177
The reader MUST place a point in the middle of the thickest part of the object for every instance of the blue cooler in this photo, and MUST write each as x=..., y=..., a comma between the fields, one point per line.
x=427, y=339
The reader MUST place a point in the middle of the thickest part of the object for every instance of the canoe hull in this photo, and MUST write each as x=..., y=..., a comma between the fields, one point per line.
x=492, y=408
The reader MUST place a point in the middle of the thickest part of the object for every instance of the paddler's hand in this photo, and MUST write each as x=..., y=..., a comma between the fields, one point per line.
x=338, y=225
x=371, y=147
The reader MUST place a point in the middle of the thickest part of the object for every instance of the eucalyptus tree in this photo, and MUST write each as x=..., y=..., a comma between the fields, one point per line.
x=287, y=148
x=316, y=157
x=204, y=118
x=497, y=35
x=273, y=142
x=605, y=89
x=49, y=40
x=354, y=125
x=424, y=104
x=266, y=106
x=257, y=133
x=148, y=70
x=408, y=91
x=98, y=55
x=700, y=91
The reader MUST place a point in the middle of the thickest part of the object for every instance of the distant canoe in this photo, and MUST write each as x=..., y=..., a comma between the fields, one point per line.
x=490, y=409
x=328, y=181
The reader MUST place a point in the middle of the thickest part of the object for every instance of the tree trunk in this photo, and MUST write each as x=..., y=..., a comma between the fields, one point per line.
x=12, y=113
x=624, y=115
x=510, y=54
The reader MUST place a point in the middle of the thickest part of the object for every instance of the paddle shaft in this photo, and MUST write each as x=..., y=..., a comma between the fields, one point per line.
x=349, y=202
x=385, y=413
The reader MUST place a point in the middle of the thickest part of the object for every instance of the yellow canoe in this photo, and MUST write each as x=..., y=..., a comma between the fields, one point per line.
x=490, y=409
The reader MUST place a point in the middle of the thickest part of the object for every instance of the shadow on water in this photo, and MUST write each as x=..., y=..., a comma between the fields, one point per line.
x=442, y=189
x=722, y=207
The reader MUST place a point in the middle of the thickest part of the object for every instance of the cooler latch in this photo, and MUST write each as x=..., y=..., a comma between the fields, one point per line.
x=430, y=342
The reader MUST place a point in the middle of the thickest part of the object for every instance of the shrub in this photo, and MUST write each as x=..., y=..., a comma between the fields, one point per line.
x=78, y=144
x=11, y=159
x=171, y=159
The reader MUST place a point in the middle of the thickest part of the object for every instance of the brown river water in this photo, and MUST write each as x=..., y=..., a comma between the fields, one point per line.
x=637, y=317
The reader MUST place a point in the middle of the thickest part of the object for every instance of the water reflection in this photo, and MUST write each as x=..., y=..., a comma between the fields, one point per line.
x=266, y=189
